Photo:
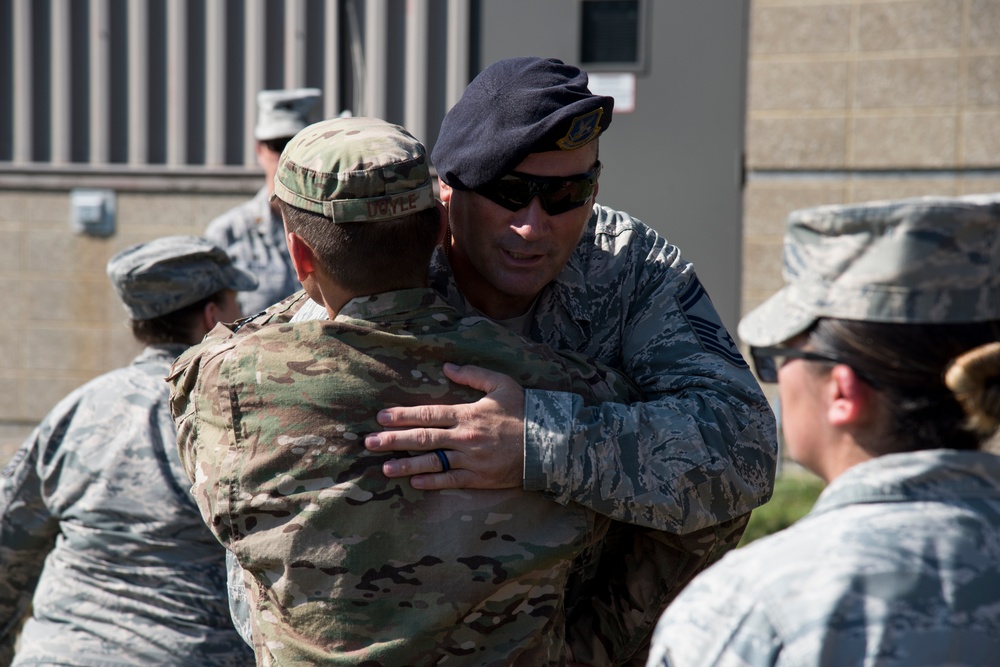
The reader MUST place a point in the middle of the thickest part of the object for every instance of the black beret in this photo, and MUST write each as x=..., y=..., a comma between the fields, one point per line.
x=516, y=107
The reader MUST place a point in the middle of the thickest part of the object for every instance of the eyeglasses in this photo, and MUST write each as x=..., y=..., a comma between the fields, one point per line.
x=767, y=360
x=557, y=194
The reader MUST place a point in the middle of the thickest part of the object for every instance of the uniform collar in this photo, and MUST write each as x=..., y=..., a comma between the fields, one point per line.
x=931, y=474
x=388, y=305
x=161, y=352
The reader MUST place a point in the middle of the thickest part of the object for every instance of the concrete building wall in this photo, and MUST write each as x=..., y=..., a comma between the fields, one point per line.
x=63, y=324
x=855, y=100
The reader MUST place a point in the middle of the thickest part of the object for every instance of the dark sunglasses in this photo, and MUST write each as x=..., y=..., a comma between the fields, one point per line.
x=557, y=194
x=767, y=361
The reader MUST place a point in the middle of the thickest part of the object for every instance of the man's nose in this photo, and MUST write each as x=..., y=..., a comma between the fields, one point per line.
x=531, y=222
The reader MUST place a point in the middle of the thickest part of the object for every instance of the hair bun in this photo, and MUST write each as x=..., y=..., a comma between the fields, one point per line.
x=974, y=378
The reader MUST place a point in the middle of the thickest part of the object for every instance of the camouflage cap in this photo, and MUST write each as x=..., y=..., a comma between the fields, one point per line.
x=355, y=170
x=156, y=278
x=283, y=113
x=923, y=260
x=513, y=108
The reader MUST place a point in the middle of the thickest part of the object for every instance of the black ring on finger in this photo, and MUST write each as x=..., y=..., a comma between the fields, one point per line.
x=443, y=458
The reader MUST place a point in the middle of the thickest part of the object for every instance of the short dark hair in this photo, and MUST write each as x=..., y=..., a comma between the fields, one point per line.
x=276, y=145
x=178, y=326
x=907, y=364
x=369, y=257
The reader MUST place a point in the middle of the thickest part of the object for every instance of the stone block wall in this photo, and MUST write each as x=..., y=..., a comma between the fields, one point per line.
x=856, y=100
x=63, y=324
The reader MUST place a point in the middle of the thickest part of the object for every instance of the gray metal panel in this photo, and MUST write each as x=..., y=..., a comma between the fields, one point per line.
x=675, y=162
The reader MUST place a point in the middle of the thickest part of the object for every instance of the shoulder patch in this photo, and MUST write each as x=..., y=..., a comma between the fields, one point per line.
x=582, y=130
x=700, y=314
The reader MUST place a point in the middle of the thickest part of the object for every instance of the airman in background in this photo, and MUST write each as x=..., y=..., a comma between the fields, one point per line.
x=252, y=232
x=99, y=535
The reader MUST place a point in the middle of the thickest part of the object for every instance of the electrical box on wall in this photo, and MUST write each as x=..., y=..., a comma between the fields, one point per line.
x=92, y=211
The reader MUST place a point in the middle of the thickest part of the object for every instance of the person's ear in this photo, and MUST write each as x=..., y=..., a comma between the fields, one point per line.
x=209, y=317
x=850, y=397
x=445, y=192
x=302, y=256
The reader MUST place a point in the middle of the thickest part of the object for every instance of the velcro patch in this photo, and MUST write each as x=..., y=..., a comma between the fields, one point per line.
x=582, y=130
x=700, y=314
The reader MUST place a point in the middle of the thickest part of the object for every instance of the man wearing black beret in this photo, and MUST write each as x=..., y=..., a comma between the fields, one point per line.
x=529, y=246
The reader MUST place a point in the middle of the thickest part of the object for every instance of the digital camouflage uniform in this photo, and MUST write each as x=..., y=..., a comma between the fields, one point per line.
x=346, y=566
x=254, y=236
x=99, y=534
x=897, y=565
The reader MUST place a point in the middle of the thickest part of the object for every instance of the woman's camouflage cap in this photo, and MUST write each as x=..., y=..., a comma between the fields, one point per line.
x=156, y=278
x=923, y=260
x=355, y=170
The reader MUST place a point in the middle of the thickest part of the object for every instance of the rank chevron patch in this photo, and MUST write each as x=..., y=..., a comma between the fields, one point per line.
x=700, y=313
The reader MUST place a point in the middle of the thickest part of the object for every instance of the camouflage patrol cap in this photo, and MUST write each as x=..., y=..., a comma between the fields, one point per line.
x=355, y=170
x=283, y=113
x=156, y=278
x=513, y=108
x=923, y=260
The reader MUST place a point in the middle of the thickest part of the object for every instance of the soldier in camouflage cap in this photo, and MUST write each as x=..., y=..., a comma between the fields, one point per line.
x=103, y=550
x=885, y=347
x=355, y=170
x=341, y=564
x=252, y=233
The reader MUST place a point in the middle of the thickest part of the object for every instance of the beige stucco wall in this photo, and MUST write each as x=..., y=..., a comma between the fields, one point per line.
x=62, y=323
x=855, y=100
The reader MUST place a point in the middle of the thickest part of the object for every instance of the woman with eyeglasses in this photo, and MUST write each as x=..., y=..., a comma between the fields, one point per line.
x=884, y=344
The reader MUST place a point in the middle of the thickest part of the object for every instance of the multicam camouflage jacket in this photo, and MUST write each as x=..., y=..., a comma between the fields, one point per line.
x=254, y=236
x=99, y=534
x=897, y=565
x=345, y=566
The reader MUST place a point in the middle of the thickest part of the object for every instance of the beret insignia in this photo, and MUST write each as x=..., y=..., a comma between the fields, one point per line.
x=582, y=130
